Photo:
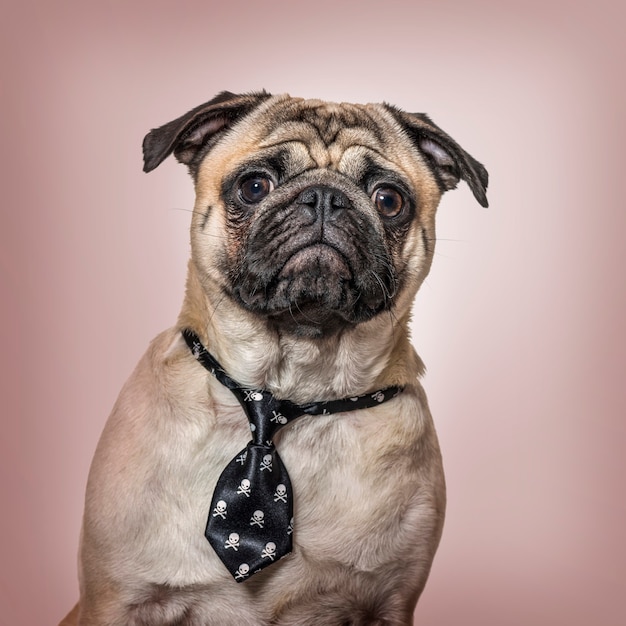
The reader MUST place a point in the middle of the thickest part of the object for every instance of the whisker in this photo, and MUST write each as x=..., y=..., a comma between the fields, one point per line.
x=383, y=287
x=216, y=307
x=177, y=208
x=196, y=212
x=446, y=239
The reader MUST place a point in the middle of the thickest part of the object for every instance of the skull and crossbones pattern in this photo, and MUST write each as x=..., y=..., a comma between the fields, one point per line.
x=232, y=542
x=220, y=509
x=244, y=488
x=257, y=519
x=266, y=463
x=242, y=571
x=280, y=493
x=269, y=552
x=278, y=418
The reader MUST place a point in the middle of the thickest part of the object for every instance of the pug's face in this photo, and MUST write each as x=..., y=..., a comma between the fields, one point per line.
x=314, y=216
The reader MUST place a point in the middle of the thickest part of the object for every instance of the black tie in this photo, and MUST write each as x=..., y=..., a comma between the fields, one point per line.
x=250, y=523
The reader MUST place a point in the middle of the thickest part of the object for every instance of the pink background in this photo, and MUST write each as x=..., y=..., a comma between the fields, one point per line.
x=521, y=322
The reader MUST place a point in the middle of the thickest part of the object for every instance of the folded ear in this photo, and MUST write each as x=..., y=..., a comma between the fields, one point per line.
x=448, y=161
x=186, y=135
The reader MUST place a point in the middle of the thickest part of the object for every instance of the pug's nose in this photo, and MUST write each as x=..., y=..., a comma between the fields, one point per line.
x=323, y=202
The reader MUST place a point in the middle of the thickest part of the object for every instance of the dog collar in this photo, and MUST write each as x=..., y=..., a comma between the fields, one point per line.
x=250, y=522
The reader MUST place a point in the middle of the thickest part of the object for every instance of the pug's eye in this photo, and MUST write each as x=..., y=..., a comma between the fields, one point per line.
x=253, y=189
x=388, y=201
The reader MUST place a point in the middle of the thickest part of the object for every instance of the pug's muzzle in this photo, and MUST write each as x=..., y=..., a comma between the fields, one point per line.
x=315, y=259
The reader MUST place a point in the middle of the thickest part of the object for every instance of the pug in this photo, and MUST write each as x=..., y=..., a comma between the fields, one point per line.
x=312, y=230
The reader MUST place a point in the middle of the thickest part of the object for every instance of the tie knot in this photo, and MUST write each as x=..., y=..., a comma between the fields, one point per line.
x=266, y=414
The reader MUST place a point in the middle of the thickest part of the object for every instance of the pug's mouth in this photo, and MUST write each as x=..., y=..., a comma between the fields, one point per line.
x=316, y=292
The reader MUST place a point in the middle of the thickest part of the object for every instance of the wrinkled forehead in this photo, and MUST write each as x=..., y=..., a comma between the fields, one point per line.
x=333, y=135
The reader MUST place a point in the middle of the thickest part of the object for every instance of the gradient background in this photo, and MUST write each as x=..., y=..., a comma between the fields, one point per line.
x=521, y=321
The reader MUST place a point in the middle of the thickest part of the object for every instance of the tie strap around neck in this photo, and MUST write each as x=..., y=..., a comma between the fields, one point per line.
x=288, y=409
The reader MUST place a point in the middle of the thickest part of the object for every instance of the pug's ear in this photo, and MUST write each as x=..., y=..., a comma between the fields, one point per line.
x=186, y=135
x=447, y=160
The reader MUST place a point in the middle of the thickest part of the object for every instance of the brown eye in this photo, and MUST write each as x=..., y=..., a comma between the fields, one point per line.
x=388, y=201
x=255, y=188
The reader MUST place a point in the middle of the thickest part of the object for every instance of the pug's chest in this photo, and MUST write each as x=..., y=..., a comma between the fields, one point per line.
x=349, y=498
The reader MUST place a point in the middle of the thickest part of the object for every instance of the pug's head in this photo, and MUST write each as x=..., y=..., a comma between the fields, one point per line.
x=311, y=215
